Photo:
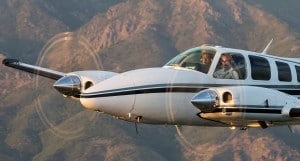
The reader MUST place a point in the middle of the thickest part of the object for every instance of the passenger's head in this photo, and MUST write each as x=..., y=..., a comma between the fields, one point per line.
x=226, y=61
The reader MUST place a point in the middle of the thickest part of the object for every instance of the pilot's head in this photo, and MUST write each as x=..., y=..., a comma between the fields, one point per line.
x=206, y=58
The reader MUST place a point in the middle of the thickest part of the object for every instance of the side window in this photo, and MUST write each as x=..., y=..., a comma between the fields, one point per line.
x=239, y=65
x=231, y=66
x=260, y=68
x=284, y=72
x=298, y=72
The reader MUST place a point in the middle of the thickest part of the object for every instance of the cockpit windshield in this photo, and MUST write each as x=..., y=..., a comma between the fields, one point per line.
x=198, y=59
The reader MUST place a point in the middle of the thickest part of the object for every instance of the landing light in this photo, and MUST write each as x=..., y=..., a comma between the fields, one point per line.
x=232, y=127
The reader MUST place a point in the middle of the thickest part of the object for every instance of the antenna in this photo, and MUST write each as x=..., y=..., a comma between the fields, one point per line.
x=178, y=129
x=267, y=47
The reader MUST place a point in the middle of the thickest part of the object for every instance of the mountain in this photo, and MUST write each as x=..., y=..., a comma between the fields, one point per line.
x=120, y=35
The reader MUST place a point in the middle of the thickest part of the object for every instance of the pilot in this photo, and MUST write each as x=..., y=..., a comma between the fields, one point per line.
x=205, y=58
x=205, y=61
x=227, y=71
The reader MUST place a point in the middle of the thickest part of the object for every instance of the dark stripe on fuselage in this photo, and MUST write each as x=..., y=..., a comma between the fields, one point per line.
x=144, y=91
x=249, y=110
x=226, y=106
x=181, y=88
x=291, y=92
x=177, y=85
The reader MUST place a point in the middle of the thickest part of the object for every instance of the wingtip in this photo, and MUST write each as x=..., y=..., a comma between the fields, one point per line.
x=8, y=61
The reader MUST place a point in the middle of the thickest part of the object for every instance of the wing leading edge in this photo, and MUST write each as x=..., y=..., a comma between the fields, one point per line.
x=48, y=73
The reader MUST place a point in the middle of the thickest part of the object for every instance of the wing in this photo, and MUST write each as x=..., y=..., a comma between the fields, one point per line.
x=52, y=74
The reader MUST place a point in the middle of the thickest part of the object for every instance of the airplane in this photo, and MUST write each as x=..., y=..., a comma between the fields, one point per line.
x=264, y=92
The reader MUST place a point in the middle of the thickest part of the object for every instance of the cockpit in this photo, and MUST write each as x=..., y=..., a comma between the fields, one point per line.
x=198, y=59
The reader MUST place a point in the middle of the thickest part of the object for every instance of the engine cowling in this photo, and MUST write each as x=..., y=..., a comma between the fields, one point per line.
x=74, y=83
x=247, y=103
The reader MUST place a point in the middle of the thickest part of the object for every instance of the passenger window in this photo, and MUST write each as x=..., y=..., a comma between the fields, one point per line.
x=298, y=72
x=284, y=72
x=231, y=66
x=260, y=68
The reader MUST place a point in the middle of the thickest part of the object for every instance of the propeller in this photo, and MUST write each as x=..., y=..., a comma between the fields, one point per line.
x=65, y=52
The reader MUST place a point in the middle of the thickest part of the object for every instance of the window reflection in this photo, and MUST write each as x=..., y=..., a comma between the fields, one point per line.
x=194, y=59
x=260, y=68
x=284, y=72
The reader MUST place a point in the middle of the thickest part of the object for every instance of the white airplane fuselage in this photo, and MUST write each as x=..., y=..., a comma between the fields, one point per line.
x=163, y=95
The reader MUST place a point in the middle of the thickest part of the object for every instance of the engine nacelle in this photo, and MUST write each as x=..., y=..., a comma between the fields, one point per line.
x=75, y=83
x=246, y=102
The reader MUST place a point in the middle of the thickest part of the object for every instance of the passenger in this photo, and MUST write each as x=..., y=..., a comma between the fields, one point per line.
x=227, y=71
x=205, y=61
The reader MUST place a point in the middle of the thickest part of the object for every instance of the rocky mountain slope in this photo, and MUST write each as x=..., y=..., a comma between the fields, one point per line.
x=121, y=35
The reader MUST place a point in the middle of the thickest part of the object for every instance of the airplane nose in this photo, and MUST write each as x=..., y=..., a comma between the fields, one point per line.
x=68, y=85
x=114, y=96
x=206, y=100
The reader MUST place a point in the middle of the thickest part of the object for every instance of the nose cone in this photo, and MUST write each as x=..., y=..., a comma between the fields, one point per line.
x=206, y=101
x=68, y=85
